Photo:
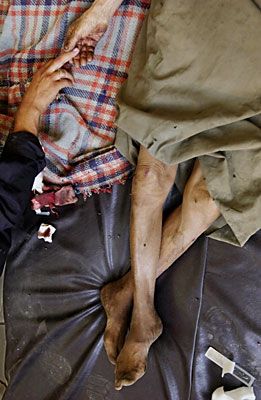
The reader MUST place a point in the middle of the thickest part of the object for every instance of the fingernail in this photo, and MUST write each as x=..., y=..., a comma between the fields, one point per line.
x=76, y=50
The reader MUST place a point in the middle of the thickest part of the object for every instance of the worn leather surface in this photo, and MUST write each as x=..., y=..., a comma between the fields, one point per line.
x=55, y=321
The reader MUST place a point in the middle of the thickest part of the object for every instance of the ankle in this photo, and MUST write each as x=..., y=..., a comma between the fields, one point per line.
x=147, y=329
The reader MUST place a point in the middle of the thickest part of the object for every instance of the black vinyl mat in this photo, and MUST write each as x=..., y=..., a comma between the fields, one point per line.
x=55, y=321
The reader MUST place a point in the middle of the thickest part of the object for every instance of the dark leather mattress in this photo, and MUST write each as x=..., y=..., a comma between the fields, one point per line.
x=55, y=320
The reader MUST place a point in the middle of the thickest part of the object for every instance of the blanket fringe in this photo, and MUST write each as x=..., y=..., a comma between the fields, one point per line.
x=69, y=195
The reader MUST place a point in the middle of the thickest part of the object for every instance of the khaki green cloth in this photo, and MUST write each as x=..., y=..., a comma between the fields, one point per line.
x=194, y=90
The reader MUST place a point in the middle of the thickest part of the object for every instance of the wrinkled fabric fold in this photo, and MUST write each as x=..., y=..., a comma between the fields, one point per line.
x=194, y=90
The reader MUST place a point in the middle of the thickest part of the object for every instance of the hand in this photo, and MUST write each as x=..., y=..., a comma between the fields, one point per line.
x=84, y=33
x=46, y=84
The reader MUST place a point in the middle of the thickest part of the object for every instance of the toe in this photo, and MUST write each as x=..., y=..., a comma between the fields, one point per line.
x=128, y=378
x=118, y=384
x=124, y=380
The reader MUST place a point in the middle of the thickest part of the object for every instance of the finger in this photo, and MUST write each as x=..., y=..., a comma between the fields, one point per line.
x=72, y=62
x=61, y=60
x=71, y=40
x=67, y=66
x=62, y=74
x=77, y=62
x=83, y=56
x=90, y=54
x=45, y=66
x=61, y=84
x=86, y=55
x=89, y=42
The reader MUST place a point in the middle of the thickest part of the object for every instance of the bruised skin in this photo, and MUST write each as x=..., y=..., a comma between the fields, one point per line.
x=197, y=212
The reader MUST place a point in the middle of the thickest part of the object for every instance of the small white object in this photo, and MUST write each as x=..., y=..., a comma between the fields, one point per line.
x=46, y=232
x=38, y=211
x=218, y=358
x=38, y=183
x=244, y=393
x=229, y=367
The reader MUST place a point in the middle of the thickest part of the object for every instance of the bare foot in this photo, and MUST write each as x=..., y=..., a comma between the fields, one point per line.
x=116, y=298
x=132, y=361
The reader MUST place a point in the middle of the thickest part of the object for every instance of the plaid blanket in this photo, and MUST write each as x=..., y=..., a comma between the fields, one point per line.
x=78, y=130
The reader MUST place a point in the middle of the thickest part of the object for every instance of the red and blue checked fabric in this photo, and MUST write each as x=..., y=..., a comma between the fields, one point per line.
x=78, y=130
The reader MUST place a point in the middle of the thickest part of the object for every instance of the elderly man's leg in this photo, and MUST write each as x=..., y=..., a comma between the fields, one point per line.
x=181, y=229
x=192, y=218
x=197, y=212
x=151, y=185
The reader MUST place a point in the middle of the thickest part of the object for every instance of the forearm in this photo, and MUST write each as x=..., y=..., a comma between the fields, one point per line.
x=27, y=121
x=106, y=7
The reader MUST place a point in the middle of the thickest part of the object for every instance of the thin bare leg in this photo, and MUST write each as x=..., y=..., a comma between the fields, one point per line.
x=197, y=212
x=192, y=218
x=150, y=187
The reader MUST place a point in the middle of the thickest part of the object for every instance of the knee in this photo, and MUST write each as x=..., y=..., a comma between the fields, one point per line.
x=198, y=201
x=152, y=182
x=197, y=191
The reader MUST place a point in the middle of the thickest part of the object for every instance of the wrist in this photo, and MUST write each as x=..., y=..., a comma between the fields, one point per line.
x=27, y=120
x=106, y=8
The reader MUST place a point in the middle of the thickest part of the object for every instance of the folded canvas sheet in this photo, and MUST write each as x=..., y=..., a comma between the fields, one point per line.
x=197, y=64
